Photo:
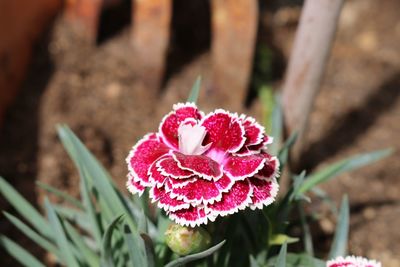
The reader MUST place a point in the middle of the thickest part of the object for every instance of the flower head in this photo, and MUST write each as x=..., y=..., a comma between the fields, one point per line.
x=352, y=261
x=199, y=167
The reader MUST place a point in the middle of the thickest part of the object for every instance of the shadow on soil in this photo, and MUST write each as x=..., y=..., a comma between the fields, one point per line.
x=354, y=123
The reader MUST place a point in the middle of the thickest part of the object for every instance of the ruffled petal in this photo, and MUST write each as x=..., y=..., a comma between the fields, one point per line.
x=165, y=201
x=193, y=216
x=240, y=167
x=352, y=261
x=254, y=132
x=270, y=169
x=224, y=131
x=156, y=178
x=203, y=191
x=142, y=156
x=264, y=192
x=178, y=183
x=237, y=198
x=200, y=165
x=134, y=187
x=169, y=167
x=169, y=125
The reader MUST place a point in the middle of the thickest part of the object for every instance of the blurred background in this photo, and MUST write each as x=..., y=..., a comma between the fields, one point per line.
x=111, y=69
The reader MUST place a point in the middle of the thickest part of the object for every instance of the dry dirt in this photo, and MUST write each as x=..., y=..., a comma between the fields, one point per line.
x=96, y=92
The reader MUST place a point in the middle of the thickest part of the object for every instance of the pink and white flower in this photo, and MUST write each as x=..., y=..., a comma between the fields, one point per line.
x=199, y=167
x=352, y=261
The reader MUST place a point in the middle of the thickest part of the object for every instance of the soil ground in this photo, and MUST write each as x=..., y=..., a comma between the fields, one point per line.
x=96, y=91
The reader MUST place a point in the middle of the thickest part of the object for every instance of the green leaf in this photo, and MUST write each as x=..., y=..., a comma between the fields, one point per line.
x=279, y=239
x=75, y=216
x=268, y=104
x=276, y=126
x=308, y=243
x=342, y=166
x=253, y=262
x=183, y=260
x=90, y=257
x=283, y=154
x=194, y=93
x=281, y=261
x=60, y=237
x=61, y=194
x=339, y=244
x=89, y=207
x=106, y=249
x=110, y=201
x=25, y=209
x=41, y=241
x=136, y=247
x=19, y=253
x=298, y=260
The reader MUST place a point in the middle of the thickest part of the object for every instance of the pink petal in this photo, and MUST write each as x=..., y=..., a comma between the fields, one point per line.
x=266, y=140
x=170, y=123
x=254, y=132
x=193, y=216
x=165, y=201
x=264, y=192
x=224, y=131
x=200, y=165
x=240, y=167
x=155, y=176
x=142, y=155
x=270, y=169
x=352, y=261
x=169, y=167
x=203, y=191
x=179, y=183
x=237, y=198
x=134, y=187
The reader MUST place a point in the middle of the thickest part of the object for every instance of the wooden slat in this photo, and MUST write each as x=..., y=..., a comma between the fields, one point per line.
x=150, y=38
x=234, y=30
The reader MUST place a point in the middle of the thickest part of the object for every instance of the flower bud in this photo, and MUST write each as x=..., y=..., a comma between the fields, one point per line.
x=186, y=240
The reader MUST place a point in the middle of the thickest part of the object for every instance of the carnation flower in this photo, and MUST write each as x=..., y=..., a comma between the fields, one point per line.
x=199, y=167
x=352, y=261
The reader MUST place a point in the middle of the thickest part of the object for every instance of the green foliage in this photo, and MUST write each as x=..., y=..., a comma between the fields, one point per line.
x=107, y=228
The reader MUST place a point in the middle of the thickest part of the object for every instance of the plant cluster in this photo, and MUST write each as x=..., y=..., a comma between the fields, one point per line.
x=203, y=171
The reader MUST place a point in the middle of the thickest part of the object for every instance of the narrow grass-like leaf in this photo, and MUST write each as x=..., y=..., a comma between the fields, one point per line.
x=25, y=209
x=283, y=154
x=106, y=249
x=183, y=260
x=337, y=168
x=89, y=207
x=339, y=244
x=268, y=104
x=281, y=261
x=19, y=253
x=60, y=237
x=279, y=239
x=74, y=216
x=136, y=247
x=60, y=194
x=149, y=247
x=298, y=260
x=308, y=243
x=38, y=239
x=99, y=177
x=90, y=257
x=194, y=93
x=276, y=126
x=253, y=262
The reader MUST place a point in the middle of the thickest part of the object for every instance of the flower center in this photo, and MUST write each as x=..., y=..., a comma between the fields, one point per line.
x=191, y=138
